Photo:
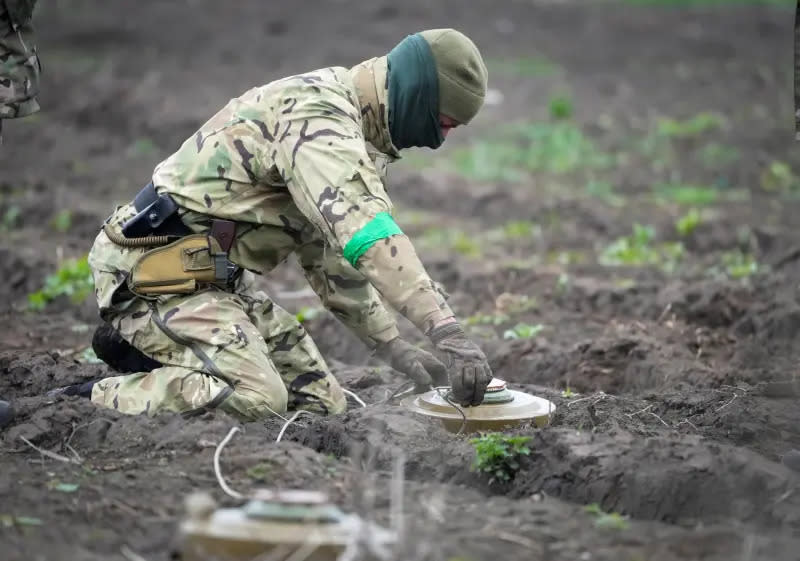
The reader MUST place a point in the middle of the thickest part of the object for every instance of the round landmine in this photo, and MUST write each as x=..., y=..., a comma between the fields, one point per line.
x=272, y=524
x=501, y=409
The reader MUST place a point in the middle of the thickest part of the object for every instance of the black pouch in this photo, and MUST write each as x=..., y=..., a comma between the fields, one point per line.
x=157, y=215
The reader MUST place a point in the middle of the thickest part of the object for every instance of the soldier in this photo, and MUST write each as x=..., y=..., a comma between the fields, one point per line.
x=19, y=63
x=19, y=82
x=294, y=166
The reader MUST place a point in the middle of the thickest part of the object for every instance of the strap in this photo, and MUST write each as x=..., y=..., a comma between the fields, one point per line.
x=224, y=232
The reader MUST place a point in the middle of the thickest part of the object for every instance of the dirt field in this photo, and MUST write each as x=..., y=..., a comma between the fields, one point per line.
x=672, y=355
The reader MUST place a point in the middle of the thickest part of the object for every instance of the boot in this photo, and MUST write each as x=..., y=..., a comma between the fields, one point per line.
x=82, y=390
x=111, y=348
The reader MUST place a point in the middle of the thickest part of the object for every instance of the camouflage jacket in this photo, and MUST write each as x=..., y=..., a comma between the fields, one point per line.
x=19, y=63
x=300, y=165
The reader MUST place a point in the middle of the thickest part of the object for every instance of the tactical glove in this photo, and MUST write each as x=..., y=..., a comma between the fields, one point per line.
x=467, y=368
x=421, y=366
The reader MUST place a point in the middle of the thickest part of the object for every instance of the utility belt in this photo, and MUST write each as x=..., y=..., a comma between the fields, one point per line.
x=180, y=262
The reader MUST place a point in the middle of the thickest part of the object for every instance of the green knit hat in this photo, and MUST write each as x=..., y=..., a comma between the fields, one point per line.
x=462, y=73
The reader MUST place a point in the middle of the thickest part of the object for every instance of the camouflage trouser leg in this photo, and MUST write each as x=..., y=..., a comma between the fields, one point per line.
x=215, y=356
x=306, y=375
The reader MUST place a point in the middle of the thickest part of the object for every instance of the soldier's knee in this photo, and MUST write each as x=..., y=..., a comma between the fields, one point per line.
x=260, y=404
x=338, y=404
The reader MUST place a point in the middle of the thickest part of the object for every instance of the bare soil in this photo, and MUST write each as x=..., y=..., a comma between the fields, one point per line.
x=683, y=386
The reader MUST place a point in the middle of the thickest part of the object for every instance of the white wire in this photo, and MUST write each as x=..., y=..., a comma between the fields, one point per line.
x=228, y=491
x=290, y=421
x=354, y=396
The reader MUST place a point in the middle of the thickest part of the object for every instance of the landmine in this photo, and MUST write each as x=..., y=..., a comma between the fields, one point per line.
x=501, y=408
x=278, y=525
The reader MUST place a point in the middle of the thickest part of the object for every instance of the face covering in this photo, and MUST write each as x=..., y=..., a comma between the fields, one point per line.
x=413, y=95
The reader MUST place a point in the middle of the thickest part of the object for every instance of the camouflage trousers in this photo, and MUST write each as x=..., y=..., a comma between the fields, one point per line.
x=237, y=351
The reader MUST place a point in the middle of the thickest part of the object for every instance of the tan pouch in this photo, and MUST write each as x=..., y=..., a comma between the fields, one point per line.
x=178, y=268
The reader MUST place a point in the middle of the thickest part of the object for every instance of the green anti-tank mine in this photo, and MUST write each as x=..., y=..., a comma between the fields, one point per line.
x=276, y=525
x=501, y=408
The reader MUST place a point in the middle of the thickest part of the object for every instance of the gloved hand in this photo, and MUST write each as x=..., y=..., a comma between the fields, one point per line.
x=421, y=366
x=467, y=368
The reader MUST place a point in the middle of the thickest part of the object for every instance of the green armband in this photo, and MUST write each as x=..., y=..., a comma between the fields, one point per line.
x=380, y=227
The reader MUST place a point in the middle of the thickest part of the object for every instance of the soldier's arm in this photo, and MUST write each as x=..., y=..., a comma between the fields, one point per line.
x=335, y=185
x=347, y=294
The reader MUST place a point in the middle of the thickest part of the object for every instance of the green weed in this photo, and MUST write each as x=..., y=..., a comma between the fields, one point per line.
x=10, y=218
x=568, y=393
x=260, y=472
x=779, y=177
x=611, y=521
x=560, y=107
x=739, y=265
x=688, y=128
x=63, y=487
x=497, y=455
x=520, y=229
x=688, y=223
x=714, y=155
x=307, y=314
x=62, y=221
x=143, y=147
x=639, y=249
x=454, y=239
x=10, y=520
x=73, y=279
x=486, y=319
x=558, y=147
x=686, y=194
x=523, y=331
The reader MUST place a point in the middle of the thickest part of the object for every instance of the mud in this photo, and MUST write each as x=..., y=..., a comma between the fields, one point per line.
x=676, y=391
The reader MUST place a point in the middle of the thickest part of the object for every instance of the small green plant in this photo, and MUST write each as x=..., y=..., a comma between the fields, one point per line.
x=560, y=107
x=10, y=218
x=455, y=239
x=519, y=229
x=72, y=279
x=695, y=126
x=779, y=177
x=639, y=249
x=523, y=331
x=553, y=147
x=88, y=356
x=143, y=147
x=497, y=455
x=260, y=472
x=307, y=314
x=611, y=521
x=688, y=223
x=739, y=265
x=686, y=194
x=715, y=155
x=10, y=520
x=486, y=319
x=62, y=221
x=63, y=487
x=568, y=393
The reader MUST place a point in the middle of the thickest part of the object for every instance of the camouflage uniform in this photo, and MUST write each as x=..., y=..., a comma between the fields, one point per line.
x=299, y=165
x=19, y=63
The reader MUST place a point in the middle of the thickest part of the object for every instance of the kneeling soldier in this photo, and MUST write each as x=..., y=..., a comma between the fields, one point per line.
x=294, y=166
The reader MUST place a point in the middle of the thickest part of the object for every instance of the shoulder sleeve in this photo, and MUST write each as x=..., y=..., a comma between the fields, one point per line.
x=321, y=154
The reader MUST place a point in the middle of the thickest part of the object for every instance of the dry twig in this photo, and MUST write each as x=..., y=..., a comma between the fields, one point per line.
x=49, y=454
